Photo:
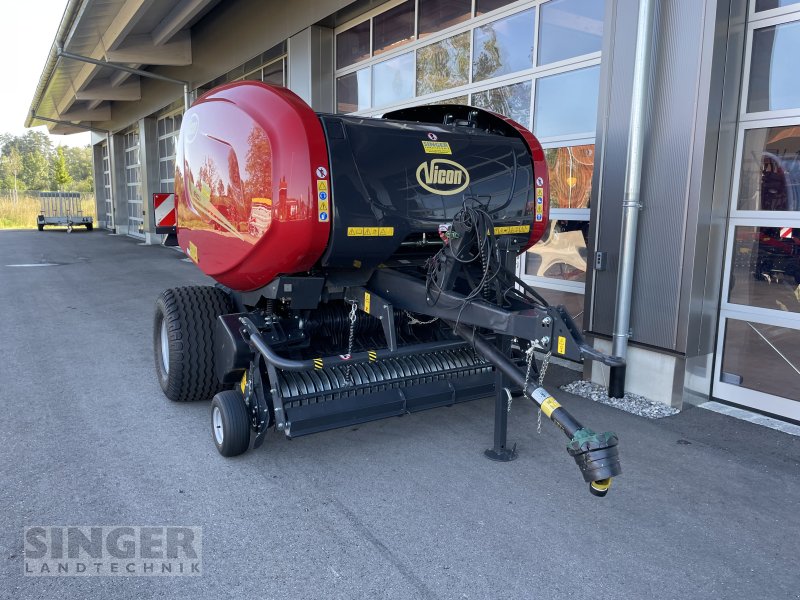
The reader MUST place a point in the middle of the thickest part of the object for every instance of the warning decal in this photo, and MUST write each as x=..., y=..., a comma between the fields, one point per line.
x=436, y=147
x=370, y=231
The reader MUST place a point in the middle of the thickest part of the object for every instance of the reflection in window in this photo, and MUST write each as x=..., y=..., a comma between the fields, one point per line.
x=503, y=46
x=353, y=91
x=770, y=173
x=774, y=84
x=393, y=80
x=762, y=357
x=457, y=100
x=435, y=15
x=443, y=65
x=570, y=169
x=765, y=268
x=273, y=74
x=770, y=4
x=393, y=28
x=572, y=302
x=484, y=6
x=513, y=101
x=566, y=104
x=561, y=253
x=352, y=45
x=569, y=28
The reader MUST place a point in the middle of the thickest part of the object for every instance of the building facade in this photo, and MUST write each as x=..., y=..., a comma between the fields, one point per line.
x=716, y=303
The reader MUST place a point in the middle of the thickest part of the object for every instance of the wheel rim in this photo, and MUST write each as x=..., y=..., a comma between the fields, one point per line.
x=219, y=435
x=164, y=346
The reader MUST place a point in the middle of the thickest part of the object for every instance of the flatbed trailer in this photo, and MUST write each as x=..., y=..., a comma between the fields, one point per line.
x=62, y=209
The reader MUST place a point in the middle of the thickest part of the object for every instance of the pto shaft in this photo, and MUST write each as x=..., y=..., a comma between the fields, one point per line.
x=596, y=455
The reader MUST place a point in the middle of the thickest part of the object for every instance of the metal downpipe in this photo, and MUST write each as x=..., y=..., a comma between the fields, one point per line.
x=632, y=201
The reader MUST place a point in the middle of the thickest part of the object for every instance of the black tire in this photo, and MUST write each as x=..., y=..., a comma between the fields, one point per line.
x=189, y=316
x=89, y=226
x=230, y=423
x=40, y=227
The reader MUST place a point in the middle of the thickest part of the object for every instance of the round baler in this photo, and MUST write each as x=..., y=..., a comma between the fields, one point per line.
x=366, y=269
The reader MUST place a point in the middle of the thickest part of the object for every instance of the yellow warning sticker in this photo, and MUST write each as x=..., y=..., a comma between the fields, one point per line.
x=322, y=185
x=436, y=147
x=539, y=192
x=549, y=406
x=370, y=231
x=244, y=381
x=193, y=251
x=367, y=299
x=512, y=229
x=562, y=344
x=373, y=356
x=317, y=363
x=322, y=205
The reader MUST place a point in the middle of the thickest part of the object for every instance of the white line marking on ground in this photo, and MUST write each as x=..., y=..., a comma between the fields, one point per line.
x=35, y=265
x=746, y=415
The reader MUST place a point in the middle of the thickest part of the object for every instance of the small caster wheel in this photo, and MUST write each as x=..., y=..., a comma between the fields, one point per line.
x=230, y=423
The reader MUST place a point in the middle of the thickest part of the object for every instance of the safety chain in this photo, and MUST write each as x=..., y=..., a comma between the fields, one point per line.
x=353, y=308
x=415, y=321
x=542, y=371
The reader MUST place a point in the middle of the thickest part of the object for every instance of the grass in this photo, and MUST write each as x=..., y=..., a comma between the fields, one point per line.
x=22, y=213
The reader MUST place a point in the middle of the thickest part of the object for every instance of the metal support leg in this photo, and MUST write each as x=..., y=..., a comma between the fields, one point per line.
x=501, y=452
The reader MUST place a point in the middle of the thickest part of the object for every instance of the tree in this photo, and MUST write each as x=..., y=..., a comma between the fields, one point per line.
x=61, y=177
x=12, y=165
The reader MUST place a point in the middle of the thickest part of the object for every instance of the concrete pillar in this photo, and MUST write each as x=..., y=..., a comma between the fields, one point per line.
x=148, y=159
x=310, y=67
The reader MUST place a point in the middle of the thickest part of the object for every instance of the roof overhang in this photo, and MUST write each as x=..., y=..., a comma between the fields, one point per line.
x=138, y=34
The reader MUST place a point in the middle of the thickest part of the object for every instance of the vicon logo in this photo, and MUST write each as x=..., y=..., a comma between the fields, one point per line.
x=442, y=176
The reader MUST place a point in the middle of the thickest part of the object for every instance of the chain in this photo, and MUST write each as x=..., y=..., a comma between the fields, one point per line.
x=529, y=352
x=415, y=321
x=353, y=308
x=545, y=364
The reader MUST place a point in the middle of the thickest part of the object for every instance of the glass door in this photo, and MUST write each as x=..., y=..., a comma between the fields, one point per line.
x=758, y=351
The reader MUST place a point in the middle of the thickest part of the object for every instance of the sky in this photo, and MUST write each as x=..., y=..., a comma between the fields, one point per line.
x=27, y=30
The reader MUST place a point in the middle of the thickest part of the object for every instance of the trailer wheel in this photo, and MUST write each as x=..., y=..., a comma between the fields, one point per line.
x=89, y=227
x=230, y=425
x=183, y=341
x=40, y=227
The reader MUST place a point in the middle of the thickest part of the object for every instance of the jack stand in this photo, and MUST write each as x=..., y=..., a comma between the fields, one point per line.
x=501, y=452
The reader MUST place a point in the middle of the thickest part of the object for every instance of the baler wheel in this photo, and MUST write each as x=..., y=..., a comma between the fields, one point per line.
x=230, y=424
x=183, y=341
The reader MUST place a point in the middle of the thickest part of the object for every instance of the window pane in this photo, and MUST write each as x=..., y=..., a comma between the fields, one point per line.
x=770, y=4
x=443, y=65
x=352, y=45
x=572, y=302
x=457, y=100
x=774, y=84
x=752, y=354
x=770, y=172
x=393, y=28
x=765, y=268
x=567, y=103
x=561, y=253
x=273, y=74
x=513, y=101
x=570, y=28
x=484, y=6
x=570, y=169
x=503, y=46
x=393, y=80
x=352, y=91
x=435, y=15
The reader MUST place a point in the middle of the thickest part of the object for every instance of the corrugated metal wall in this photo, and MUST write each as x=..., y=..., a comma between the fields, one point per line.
x=674, y=91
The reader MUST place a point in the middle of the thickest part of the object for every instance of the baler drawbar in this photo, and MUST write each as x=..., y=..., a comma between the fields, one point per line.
x=365, y=269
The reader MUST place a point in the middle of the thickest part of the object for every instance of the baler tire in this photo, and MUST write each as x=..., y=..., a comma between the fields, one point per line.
x=230, y=423
x=189, y=315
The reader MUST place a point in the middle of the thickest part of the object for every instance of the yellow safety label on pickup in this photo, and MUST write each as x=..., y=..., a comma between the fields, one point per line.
x=549, y=406
x=512, y=229
x=370, y=231
x=373, y=356
x=193, y=251
x=367, y=299
x=317, y=363
x=244, y=381
x=436, y=147
x=562, y=344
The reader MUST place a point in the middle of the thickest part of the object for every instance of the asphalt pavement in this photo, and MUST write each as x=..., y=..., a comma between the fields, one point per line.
x=707, y=506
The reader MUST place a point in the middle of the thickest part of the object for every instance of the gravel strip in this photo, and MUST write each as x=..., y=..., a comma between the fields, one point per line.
x=632, y=403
